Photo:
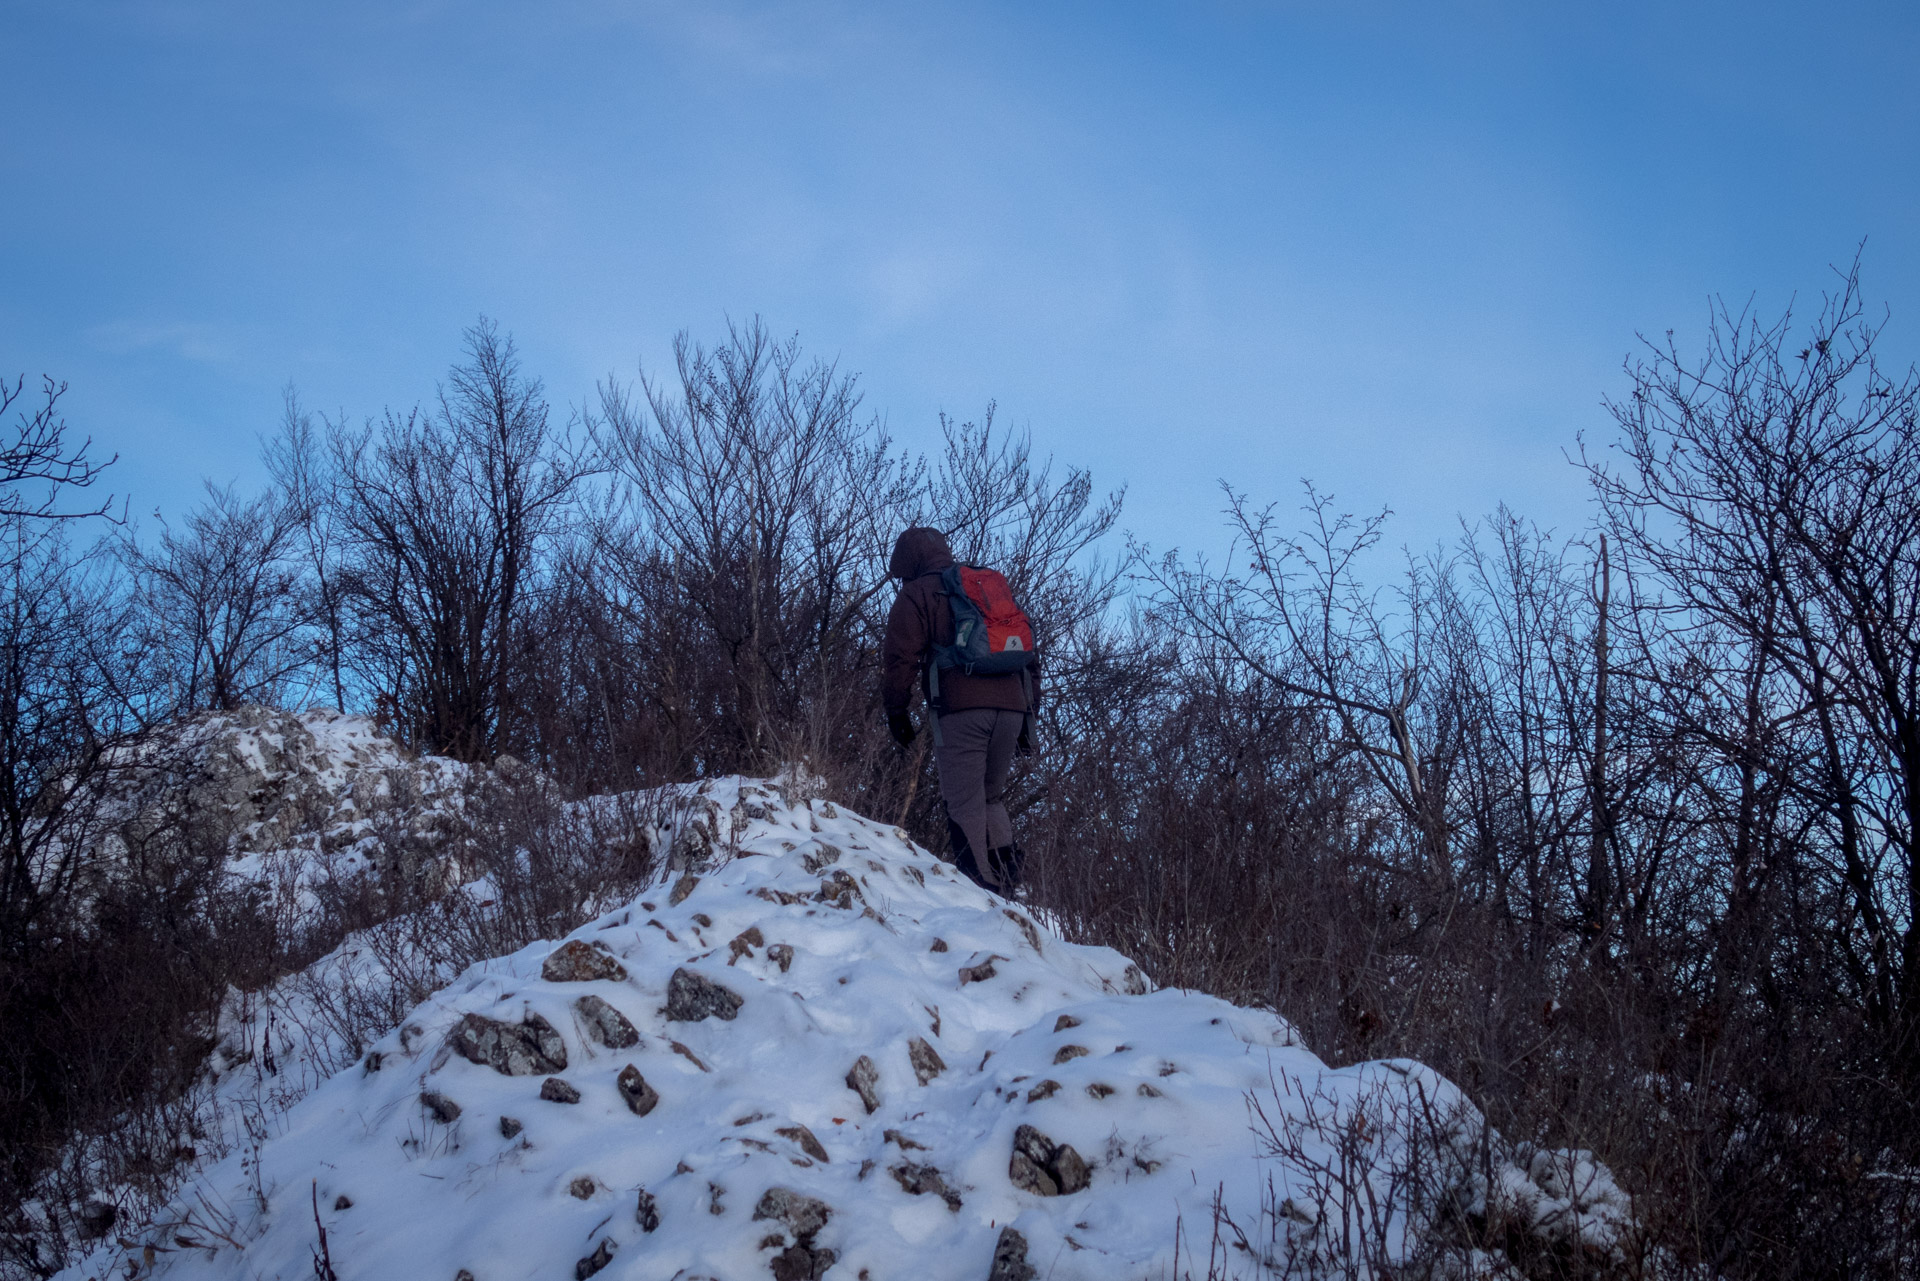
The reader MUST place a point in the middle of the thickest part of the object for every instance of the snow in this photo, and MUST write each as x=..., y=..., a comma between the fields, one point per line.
x=1155, y=1090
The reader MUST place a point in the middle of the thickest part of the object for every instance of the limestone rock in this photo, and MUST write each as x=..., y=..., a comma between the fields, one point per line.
x=510, y=1128
x=781, y=954
x=646, y=1212
x=640, y=1097
x=804, y=1137
x=863, y=1078
x=1043, y=1167
x=977, y=973
x=605, y=1024
x=920, y=1180
x=802, y=1263
x=926, y=1061
x=691, y=998
x=801, y=1214
x=530, y=1048
x=440, y=1107
x=577, y=962
x=556, y=1090
x=1010, y=1258
x=600, y=1258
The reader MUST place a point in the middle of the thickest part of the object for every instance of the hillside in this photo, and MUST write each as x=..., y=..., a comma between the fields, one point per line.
x=810, y=1050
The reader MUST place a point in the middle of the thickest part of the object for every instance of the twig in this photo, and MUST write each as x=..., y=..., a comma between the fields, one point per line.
x=322, y=1260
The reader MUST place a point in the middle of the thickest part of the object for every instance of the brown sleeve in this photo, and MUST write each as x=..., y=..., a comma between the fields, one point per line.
x=903, y=652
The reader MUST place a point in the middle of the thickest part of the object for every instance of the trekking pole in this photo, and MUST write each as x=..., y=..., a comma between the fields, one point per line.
x=913, y=784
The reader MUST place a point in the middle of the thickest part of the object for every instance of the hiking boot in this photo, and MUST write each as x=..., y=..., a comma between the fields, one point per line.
x=1006, y=864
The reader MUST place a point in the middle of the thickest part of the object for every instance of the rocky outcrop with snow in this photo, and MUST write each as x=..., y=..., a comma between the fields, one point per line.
x=815, y=1051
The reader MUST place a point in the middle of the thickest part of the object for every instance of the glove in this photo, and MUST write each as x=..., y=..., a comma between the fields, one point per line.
x=900, y=725
x=1023, y=746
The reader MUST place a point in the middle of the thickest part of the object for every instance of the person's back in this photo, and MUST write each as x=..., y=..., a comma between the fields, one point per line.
x=978, y=720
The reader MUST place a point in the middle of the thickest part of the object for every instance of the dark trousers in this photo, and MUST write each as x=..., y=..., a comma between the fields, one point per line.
x=973, y=757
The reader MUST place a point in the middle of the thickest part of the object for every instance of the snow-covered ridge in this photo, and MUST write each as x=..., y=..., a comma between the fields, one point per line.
x=814, y=1050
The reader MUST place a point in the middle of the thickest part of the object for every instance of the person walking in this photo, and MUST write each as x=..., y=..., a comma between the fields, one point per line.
x=978, y=718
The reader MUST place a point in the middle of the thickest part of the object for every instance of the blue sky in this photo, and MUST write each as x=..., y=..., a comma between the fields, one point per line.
x=1401, y=249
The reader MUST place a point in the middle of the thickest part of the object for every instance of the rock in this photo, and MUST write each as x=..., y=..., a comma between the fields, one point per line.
x=582, y=1188
x=605, y=1024
x=343, y=1202
x=977, y=973
x=823, y=857
x=1043, y=1167
x=97, y=1219
x=1070, y=1170
x=804, y=1137
x=1133, y=981
x=802, y=1263
x=1099, y=1090
x=691, y=998
x=463, y=1275
x=744, y=942
x=689, y=1056
x=918, y=1180
x=692, y=846
x=600, y=1258
x=556, y=1090
x=531, y=1048
x=1029, y=1176
x=939, y=945
x=781, y=954
x=510, y=1128
x=1010, y=1258
x=681, y=888
x=1067, y=1053
x=1027, y=927
x=640, y=1097
x=839, y=889
x=926, y=1061
x=1045, y=1090
x=1064, y=1022
x=440, y=1107
x=646, y=1212
x=863, y=1078
x=577, y=962
x=1148, y=1092
x=802, y=1215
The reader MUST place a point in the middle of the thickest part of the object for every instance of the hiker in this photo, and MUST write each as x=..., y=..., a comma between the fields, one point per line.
x=979, y=704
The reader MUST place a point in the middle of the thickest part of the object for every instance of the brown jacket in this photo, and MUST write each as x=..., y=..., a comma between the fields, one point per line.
x=920, y=619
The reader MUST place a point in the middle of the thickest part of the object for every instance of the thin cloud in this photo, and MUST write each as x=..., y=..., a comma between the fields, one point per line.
x=189, y=341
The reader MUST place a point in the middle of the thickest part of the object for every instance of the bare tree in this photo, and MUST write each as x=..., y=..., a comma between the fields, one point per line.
x=1775, y=495
x=444, y=519
x=757, y=507
x=1299, y=616
x=297, y=461
x=34, y=457
x=220, y=600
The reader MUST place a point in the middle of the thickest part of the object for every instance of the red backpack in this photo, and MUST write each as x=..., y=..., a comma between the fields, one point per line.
x=991, y=633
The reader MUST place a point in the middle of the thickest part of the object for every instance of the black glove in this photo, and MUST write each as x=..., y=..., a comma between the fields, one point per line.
x=900, y=725
x=1023, y=746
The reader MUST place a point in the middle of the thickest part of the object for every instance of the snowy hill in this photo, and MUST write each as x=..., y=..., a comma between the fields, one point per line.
x=814, y=1050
